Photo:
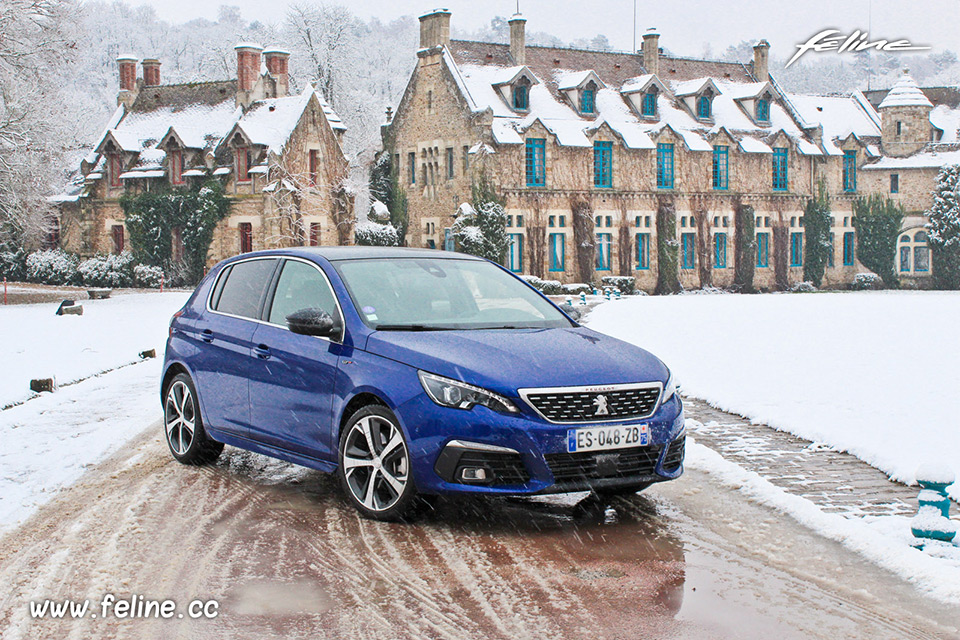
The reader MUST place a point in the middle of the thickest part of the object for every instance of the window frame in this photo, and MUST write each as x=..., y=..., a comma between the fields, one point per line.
x=451, y=171
x=850, y=171
x=763, y=250
x=762, y=110
x=518, y=239
x=796, y=248
x=603, y=164
x=643, y=251
x=245, y=231
x=688, y=251
x=604, y=250
x=894, y=183
x=521, y=97
x=588, y=101
x=412, y=166
x=217, y=290
x=648, y=104
x=849, y=249
x=536, y=162
x=665, y=161
x=721, y=168
x=720, y=250
x=553, y=254
x=118, y=238
x=780, y=169
x=243, y=165
x=271, y=293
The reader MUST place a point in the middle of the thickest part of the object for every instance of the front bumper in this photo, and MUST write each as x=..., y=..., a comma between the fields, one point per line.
x=523, y=454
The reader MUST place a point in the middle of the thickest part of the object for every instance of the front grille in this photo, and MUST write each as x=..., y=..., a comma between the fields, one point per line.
x=594, y=406
x=591, y=465
x=507, y=468
x=674, y=456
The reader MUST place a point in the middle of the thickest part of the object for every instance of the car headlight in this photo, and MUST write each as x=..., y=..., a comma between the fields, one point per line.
x=460, y=395
x=670, y=389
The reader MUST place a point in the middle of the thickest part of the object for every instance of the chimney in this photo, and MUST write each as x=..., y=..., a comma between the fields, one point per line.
x=761, y=61
x=151, y=72
x=128, y=79
x=518, y=39
x=248, y=65
x=651, y=51
x=277, y=61
x=435, y=29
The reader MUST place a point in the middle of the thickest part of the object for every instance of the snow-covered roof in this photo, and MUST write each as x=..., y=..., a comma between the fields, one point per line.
x=840, y=117
x=905, y=93
x=270, y=122
x=932, y=157
x=480, y=70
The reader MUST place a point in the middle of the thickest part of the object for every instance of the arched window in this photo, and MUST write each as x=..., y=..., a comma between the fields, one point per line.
x=521, y=95
x=921, y=236
x=649, y=106
x=763, y=109
x=704, y=106
x=588, y=98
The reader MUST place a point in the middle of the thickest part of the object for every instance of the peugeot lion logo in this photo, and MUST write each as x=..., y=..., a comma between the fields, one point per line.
x=601, y=403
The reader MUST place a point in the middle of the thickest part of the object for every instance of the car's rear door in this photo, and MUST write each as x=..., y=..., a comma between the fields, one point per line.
x=222, y=364
x=291, y=390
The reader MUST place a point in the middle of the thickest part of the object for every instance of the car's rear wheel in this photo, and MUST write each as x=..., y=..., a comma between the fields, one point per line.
x=183, y=426
x=375, y=470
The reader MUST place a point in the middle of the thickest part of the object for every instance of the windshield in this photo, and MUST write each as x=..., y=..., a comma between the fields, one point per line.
x=418, y=294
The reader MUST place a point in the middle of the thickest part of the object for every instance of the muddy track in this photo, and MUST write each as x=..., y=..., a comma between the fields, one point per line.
x=284, y=555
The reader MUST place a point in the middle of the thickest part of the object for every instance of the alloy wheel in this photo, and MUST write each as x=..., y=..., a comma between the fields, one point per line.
x=180, y=417
x=376, y=465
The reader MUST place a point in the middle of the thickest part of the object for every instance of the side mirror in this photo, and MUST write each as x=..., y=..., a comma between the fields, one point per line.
x=313, y=322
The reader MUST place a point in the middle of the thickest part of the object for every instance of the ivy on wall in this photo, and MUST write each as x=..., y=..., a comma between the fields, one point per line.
x=781, y=254
x=816, y=226
x=584, y=239
x=878, y=220
x=152, y=216
x=745, y=247
x=668, y=248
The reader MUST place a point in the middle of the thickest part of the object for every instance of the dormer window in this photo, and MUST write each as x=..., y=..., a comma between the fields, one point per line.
x=114, y=168
x=243, y=164
x=649, y=104
x=763, y=109
x=705, y=106
x=521, y=95
x=588, y=98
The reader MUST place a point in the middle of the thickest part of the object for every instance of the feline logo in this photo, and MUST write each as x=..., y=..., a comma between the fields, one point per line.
x=600, y=402
x=834, y=40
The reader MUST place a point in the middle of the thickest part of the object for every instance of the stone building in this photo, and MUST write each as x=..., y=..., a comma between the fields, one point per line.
x=589, y=147
x=277, y=154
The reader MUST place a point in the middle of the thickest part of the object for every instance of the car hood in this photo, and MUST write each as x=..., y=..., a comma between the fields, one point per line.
x=505, y=360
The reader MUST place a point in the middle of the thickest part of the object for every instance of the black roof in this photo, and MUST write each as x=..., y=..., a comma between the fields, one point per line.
x=335, y=253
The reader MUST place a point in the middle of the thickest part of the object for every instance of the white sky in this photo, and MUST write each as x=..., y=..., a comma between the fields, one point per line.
x=686, y=25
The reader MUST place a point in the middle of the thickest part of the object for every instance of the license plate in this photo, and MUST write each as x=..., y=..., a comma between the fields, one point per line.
x=605, y=438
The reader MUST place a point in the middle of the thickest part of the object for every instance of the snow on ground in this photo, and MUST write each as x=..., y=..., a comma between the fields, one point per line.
x=872, y=373
x=48, y=441
x=36, y=343
x=884, y=540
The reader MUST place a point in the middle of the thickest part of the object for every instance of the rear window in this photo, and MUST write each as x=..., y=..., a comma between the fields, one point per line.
x=242, y=287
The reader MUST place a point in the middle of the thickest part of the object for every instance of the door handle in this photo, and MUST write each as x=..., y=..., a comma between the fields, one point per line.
x=262, y=351
x=206, y=335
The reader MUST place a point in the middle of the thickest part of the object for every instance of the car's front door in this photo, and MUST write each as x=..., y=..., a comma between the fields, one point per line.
x=223, y=335
x=291, y=391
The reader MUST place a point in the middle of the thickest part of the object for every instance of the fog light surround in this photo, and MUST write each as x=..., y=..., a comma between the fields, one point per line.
x=474, y=474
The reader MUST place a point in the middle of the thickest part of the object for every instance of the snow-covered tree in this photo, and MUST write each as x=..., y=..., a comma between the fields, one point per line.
x=482, y=232
x=944, y=229
x=375, y=234
x=878, y=220
x=816, y=225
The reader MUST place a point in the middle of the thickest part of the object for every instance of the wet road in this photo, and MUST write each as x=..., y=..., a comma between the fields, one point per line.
x=285, y=556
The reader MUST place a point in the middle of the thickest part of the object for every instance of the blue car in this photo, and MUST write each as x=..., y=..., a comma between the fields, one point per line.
x=409, y=371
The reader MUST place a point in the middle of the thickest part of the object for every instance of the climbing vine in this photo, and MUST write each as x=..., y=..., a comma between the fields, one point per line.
x=745, y=247
x=152, y=216
x=668, y=280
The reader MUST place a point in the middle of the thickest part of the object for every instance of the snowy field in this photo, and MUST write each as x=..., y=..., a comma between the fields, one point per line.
x=39, y=344
x=50, y=440
x=876, y=374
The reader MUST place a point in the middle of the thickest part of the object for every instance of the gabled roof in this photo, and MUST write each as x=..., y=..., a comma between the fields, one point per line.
x=839, y=116
x=569, y=80
x=694, y=87
x=270, y=122
x=641, y=84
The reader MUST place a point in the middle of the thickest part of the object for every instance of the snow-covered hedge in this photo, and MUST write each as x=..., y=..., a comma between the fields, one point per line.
x=107, y=270
x=374, y=234
x=52, y=267
x=803, y=287
x=577, y=288
x=867, y=282
x=626, y=284
x=548, y=287
x=147, y=277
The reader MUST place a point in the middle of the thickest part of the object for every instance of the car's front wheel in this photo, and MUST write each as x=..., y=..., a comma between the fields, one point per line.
x=183, y=426
x=374, y=466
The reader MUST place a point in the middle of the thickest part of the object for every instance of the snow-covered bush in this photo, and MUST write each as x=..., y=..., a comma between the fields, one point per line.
x=626, y=284
x=577, y=288
x=867, y=282
x=13, y=264
x=944, y=229
x=147, y=277
x=374, y=234
x=803, y=287
x=548, y=287
x=51, y=267
x=107, y=270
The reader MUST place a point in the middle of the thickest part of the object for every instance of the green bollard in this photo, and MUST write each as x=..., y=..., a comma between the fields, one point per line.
x=932, y=521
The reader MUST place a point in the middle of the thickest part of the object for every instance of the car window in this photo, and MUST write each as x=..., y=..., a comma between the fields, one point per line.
x=244, y=287
x=301, y=286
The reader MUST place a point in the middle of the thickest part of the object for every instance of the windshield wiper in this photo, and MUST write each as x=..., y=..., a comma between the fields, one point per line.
x=411, y=327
